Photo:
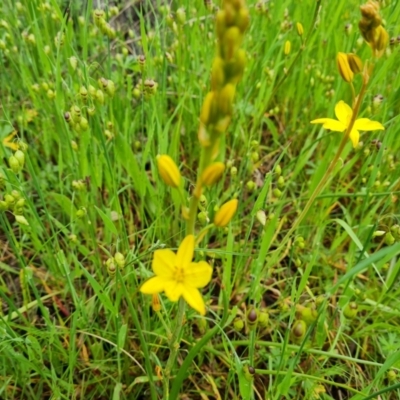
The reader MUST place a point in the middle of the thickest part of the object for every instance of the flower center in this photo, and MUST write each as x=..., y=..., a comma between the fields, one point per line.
x=179, y=275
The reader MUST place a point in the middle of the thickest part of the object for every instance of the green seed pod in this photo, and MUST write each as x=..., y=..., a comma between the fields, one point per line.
x=3, y=205
x=277, y=193
x=20, y=156
x=119, y=260
x=51, y=94
x=252, y=319
x=111, y=267
x=110, y=88
x=299, y=330
x=278, y=170
x=181, y=15
x=73, y=238
x=263, y=319
x=391, y=375
x=389, y=239
x=91, y=111
x=249, y=372
x=83, y=92
x=255, y=156
x=21, y=220
x=281, y=182
x=76, y=114
x=14, y=164
x=351, y=310
x=81, y=213
x=251, y=186
x=9, y=199
x=100, y=96
x=84, y=124
x=238, y=324
x=73, y=62
x=79, y=185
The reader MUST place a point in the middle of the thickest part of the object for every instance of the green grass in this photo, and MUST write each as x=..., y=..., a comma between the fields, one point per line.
x=70, y=330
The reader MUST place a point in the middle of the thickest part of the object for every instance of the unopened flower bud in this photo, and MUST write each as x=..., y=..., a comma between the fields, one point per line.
x=73, y=62
x=156, y=303
x=263, y=318
x=344, y=68
x=100, y=96
x=300, y=29
x=355, y=63
x=81, y=213
x=168, y=170
x=20, y=156
x=111, y=267
x=287, y=47
x=212, y=173
x=225, y=213
x=389, y=239
x=119, y=260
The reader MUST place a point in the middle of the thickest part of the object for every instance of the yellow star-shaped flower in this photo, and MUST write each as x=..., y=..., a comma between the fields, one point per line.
x=344, y=114
x=177, y=275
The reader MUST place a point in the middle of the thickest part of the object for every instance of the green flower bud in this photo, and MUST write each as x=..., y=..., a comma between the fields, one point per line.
x=111, y=267
x=3, y=205
x=181, y=15
x=84, y=124
x=76, y=114
x=391, y=375
x=251, y=186
x=281, y=182
x=278, y=170
x=277, y=193
x=100, y=96
x=73, y=61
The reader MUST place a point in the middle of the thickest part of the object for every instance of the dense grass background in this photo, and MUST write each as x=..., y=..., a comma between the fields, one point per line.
x=70, y=330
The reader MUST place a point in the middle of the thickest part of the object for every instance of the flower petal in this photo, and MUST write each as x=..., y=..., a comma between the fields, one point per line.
x=194, y=299
x=173, y=290
x=164, y=262
x=198, y=274
x=365, y=124
x=185, y=252
x=331, y=124
x=354, y=137
x=153, y=285
x=343, y=112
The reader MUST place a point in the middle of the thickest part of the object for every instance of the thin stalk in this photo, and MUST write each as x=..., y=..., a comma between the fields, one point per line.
x=174, y=347
x=332, y=165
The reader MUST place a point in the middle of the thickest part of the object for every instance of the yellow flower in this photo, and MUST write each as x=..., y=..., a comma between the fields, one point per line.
x=177, y=275
x=344, y=114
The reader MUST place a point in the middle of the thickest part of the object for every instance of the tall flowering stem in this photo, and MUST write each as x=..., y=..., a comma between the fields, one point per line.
x=216, y=113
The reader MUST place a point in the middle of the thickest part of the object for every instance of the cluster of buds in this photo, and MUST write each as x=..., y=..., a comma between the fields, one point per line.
x=114, y=263
x=16, y=162
x=371, y=27
x=146, y=88
x=228, y=66
x=391, y=236
x=348, y=65
x=75, y=119
x=102, y=24
x=13, y=202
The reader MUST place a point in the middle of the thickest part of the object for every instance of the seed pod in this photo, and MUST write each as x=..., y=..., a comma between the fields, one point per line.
x=21, y=220
x=252, y=318
x=225, y=99
x=351, y=310
x=119, y=260
x=14, y=164
x=20, y=156
x=100, y=96
x=263, y=318
x=299, y=330
x=238, y=324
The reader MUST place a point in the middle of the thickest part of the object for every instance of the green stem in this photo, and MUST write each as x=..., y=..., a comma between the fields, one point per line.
x=173, y=347
x=331, y=167
x=205, y=159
